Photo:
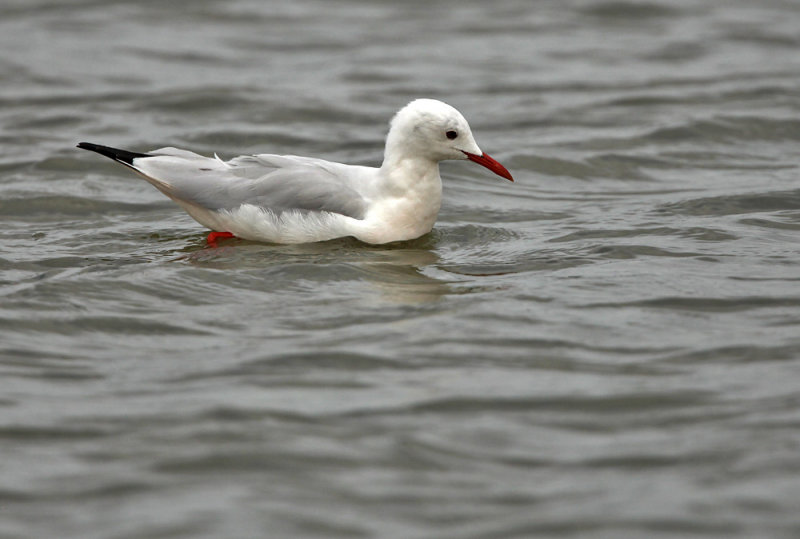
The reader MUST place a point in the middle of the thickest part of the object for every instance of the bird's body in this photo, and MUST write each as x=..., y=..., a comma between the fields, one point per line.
x=291, y=199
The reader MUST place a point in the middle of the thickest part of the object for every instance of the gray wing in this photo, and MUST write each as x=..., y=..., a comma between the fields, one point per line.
x=277, y=183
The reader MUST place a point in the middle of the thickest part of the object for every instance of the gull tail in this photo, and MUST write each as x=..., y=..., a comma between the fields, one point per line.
x=121, y=156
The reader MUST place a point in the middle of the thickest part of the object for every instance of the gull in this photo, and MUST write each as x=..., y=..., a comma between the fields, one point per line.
x=291, y=199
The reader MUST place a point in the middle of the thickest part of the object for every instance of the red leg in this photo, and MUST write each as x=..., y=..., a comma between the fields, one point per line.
x=214, y=236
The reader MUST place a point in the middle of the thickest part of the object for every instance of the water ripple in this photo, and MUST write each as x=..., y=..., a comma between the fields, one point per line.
x=736, y=204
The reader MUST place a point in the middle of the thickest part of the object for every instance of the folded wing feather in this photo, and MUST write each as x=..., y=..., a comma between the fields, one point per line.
x=278, y=183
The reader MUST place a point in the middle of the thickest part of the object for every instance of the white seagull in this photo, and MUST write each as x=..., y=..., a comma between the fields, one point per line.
x=291, y=199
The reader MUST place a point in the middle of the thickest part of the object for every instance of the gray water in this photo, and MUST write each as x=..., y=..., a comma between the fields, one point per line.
x=609, y=347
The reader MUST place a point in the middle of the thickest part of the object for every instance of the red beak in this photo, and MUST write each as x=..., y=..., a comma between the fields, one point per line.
x=487, y=161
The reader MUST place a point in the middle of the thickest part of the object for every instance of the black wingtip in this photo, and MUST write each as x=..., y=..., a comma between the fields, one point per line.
x=123, y=156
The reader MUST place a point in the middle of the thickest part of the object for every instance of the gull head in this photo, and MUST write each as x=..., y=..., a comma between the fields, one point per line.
x=431, y=129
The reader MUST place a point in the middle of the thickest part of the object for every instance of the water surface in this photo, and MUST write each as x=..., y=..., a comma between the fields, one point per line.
x=609, y=347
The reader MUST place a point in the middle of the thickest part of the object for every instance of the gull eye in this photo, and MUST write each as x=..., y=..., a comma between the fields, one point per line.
x=451, y=134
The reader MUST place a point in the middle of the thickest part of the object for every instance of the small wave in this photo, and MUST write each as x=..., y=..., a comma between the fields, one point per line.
x=708, y=304
x=629, y=10
x=698, y=233
x=729, y=129
x=614, y=166
x=735, y=204
x=53, y=206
